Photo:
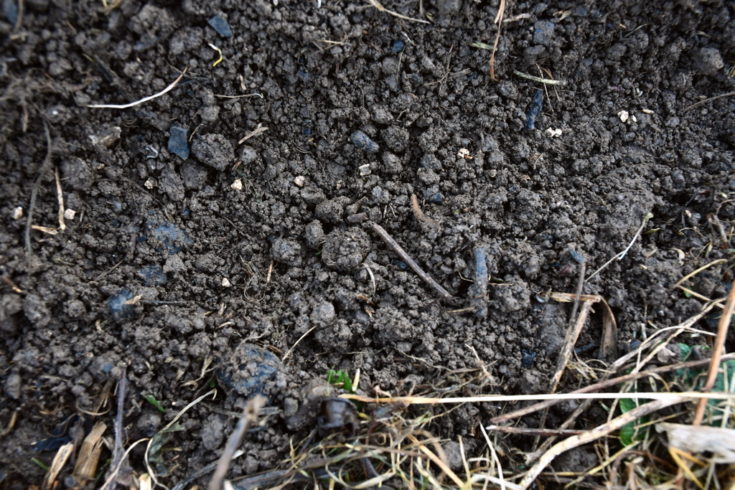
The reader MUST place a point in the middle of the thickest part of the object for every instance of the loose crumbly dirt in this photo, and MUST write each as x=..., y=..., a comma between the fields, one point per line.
x=169, y=266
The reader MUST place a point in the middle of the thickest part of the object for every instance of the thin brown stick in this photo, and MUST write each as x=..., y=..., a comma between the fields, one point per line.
x=419, y=213
x=259, y=129
x=377, y=5
x=594, y=434
x=603, y=385
x=34, y=190
x=710, y=99
x=499, y=23
x=719, y=348
x=248, y=418
x=569, y=340
x=408, y=260
x=526, y=431
x=578, y=293
x=60, y=200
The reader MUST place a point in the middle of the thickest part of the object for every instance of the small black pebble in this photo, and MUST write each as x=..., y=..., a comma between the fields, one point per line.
x=220, y=25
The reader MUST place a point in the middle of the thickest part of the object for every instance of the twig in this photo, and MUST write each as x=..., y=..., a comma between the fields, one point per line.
x=242, y=96
x=288, y=352
x=523, y=431
x=722, y=328
x=116, y=469
x=498, y=22
x=259, y=129
x=594, y=434
x=419, y=214
x=697, y=271
x=408, y=260
x=545, y=81
x=249, y=416
x=380, y=7
x=117, y=451
x=569, y=340
x=518, y=17
x=622, y=254
x=201, y=472
x=603, y=385
x=560, y=397
x=168, y=426
x=34, y=191
x=60, y=200
x=143, y=100
x=578, y=292
x=697, y=104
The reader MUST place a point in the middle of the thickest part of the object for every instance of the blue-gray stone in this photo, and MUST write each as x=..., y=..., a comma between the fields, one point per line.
x=247, y=371
x=220, y=25
x=177, y=142
x=10, y=11
x=397, y=46
x=364, y=142
x=543, y=32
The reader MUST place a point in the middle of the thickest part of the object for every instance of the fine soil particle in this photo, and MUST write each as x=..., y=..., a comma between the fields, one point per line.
x=187, y=281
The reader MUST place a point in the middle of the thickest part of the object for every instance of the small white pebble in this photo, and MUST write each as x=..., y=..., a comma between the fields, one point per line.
x=364, y=169
x=150, y=183
x=646, y=111
x=624, y=115
x=464, y=153
x=69, y=214
x=226, y=283
x=18, y=212
x=299, y=180
x=553, y=132
x=237, y=185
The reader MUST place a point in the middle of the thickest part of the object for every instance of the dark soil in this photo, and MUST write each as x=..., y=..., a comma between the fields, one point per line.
x=169, y=267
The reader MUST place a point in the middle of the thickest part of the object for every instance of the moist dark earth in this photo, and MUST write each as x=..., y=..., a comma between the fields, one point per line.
x=192, y=259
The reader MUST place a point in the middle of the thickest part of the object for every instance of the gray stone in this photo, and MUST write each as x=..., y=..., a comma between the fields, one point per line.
x=193, y=175
x=323, y=313
x=543, y=32
x=286, y=251
x=708, y=61
x=214, y=150
x=314, y=234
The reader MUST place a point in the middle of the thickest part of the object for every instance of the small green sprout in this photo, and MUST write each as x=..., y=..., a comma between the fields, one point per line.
x=340, y=379
x=152, y=400
x=40, y=464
